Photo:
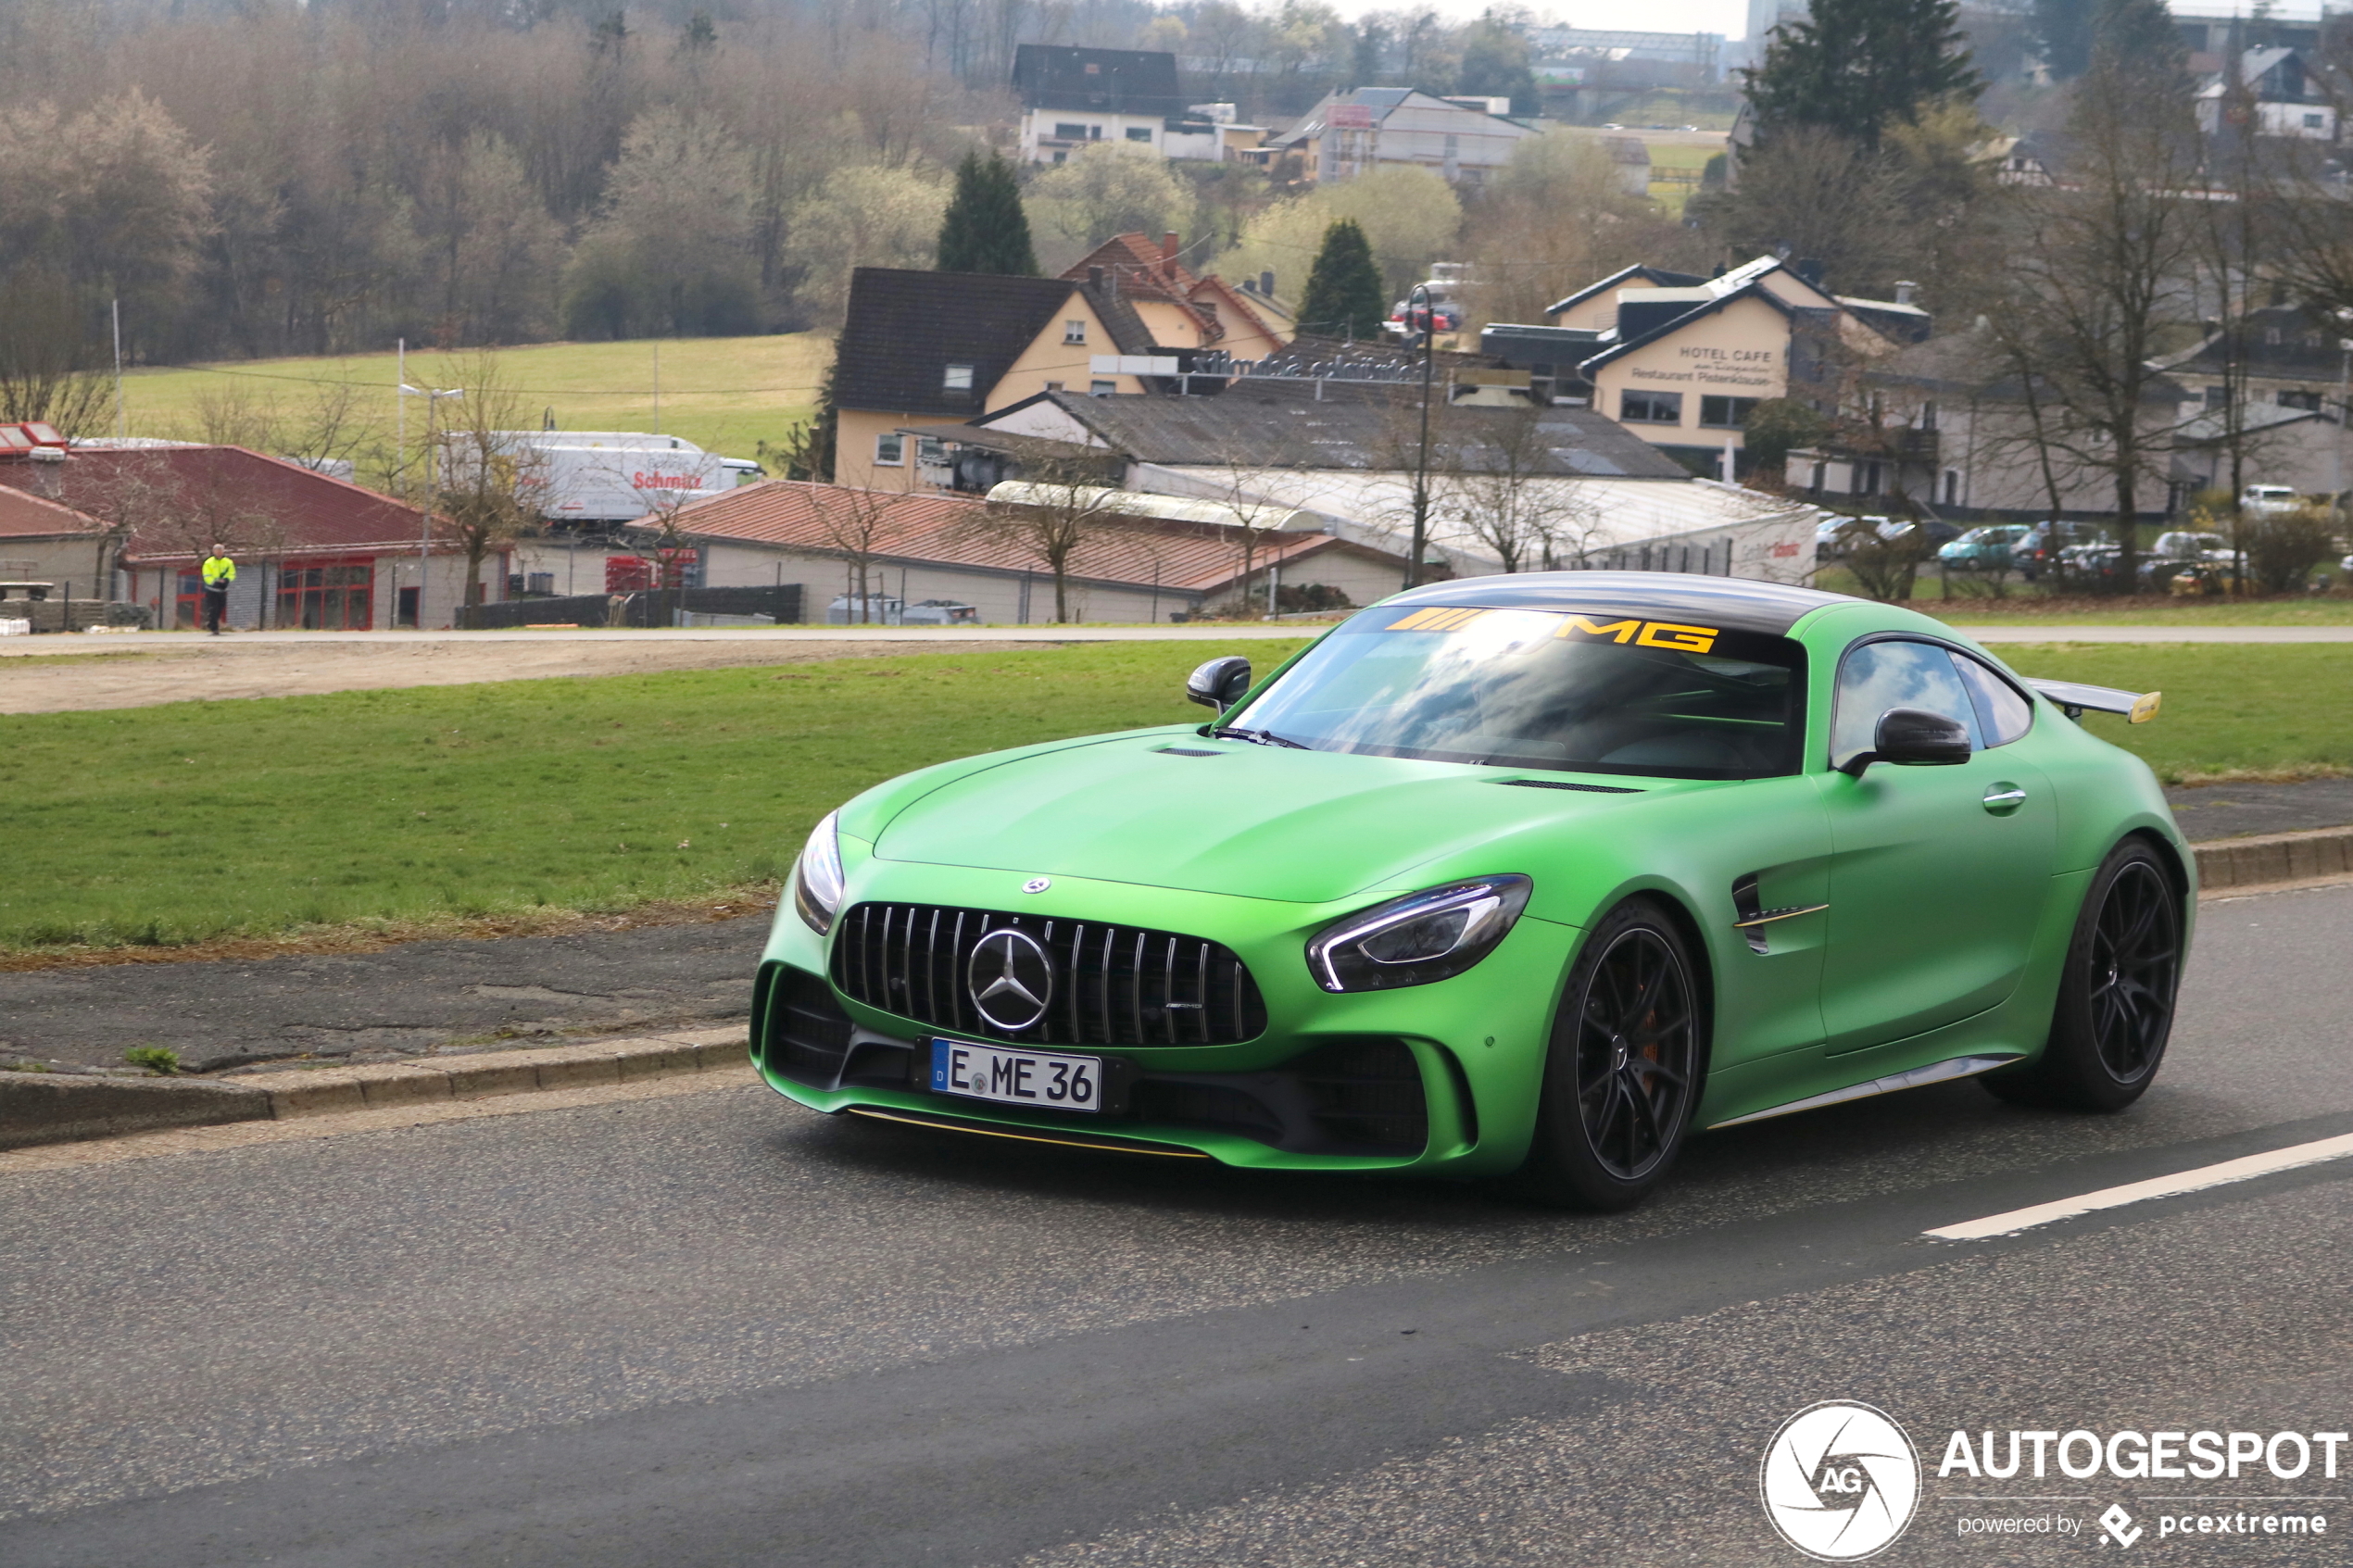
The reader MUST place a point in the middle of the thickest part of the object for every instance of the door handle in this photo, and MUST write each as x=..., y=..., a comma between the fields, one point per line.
x=2004, y=798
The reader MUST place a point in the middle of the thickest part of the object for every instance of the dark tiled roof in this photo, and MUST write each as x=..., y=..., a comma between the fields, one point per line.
x=179, y=498
x=903, y=329
x=2306, y=349
x=1264, y=425
x=1062, y=76
x=1657, y=276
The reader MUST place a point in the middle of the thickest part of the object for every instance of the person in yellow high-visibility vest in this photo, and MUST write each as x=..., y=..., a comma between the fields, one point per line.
x=218, y=573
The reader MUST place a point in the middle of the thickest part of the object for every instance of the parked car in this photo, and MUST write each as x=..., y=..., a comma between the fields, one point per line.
x=2091, y=563
x=1529, y=876
x=2269, y=500
x=1984, y=549
x=1837, y=537
x=2039, y=550
x=2182, y=549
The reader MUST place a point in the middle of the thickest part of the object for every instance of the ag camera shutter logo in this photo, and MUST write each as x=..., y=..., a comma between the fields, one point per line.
x=1840, y=1481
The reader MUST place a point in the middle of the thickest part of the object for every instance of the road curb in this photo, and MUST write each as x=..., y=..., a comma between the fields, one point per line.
x=37, y=1108
x=2270, y=857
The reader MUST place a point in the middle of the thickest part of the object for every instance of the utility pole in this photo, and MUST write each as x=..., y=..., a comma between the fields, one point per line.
x=118, y=430
x=1428, y=319
x=433, y=481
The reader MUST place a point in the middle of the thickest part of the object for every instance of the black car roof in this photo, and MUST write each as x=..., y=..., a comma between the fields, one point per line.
x=1733, y=603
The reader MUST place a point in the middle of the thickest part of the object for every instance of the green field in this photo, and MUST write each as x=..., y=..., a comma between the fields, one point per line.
x=192, y=821
x=725, y=393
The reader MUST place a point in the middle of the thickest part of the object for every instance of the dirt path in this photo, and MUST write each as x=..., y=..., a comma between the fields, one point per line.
x=203, y=668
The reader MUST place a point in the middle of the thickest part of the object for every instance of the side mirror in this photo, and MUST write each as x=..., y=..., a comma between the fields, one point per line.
x=1913, y=737
x=1220, y=682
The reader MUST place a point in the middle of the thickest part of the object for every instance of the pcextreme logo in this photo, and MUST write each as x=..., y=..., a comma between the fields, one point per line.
x=1840, y=1481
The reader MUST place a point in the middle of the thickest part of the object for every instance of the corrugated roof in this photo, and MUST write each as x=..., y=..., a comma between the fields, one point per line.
x=179, y=498
x=919, y=529
x=1267, y=425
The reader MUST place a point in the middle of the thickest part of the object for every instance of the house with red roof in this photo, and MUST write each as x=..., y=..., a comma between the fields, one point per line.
x=312, y=551
x=1141, y=558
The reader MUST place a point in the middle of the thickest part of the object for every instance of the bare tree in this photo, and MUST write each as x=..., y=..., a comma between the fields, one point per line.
x=2101, y=261
x=1501, y=480
x=47, y=363
x=484, y=483
x=856, y=522
x=1066, y=509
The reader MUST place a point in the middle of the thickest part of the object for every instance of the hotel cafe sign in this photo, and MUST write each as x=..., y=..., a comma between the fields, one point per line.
x=1749, y=370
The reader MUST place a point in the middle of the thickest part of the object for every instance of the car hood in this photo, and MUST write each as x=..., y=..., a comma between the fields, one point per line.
x=1252, y=820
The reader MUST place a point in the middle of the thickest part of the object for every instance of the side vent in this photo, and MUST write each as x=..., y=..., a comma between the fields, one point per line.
x=1557, y=784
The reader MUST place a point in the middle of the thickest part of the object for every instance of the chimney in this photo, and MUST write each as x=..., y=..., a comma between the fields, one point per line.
x=1267, y=284
x=1904, y=288
x=1094, y=277
x=1168, y=247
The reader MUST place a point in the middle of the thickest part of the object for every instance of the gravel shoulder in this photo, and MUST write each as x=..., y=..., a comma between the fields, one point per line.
x=203, y=668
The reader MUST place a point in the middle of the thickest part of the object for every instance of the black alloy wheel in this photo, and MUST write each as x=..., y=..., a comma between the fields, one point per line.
x=2115, y=1008
x=2136, y=959
x=1624, y=1069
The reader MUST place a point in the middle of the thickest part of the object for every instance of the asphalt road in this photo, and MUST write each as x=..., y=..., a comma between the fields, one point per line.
x=716, y=1329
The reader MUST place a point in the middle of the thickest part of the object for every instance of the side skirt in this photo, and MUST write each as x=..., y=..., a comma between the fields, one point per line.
x=1918, y=1077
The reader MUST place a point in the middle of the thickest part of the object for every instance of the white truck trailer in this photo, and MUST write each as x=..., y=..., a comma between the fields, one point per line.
x=612, y=476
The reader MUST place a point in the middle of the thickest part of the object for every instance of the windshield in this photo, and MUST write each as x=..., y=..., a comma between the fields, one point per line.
x=1600, y=691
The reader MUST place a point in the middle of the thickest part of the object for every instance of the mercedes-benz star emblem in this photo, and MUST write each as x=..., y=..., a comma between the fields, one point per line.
x=1011, y=978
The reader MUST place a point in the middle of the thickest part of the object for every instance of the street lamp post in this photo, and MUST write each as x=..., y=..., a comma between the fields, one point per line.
x=1428, y=319
x=433, y=489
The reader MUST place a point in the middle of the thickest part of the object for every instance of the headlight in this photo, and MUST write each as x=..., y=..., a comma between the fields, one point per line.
x=817, y=876
x=1418, y=939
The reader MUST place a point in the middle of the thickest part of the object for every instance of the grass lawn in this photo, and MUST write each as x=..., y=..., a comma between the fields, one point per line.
x=2230, y=710
x=193, y=820
x=196, y=820
x=721, y=392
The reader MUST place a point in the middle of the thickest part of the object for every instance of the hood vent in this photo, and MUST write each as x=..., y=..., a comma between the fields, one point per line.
x=1554, y=784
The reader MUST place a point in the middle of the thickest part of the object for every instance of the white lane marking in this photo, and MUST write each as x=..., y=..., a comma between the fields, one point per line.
x=2205, y=1177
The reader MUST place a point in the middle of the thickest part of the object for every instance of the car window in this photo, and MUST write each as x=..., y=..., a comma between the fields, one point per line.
x=1878, y=676
x=2002, y=714
x=1602, y=691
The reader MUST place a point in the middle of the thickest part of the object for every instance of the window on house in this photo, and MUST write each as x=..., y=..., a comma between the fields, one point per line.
x=1139, y=132
x=1075, y=331
x=1053, y=386
x=1725, y=413
x=1650, y=407
x=2271, y=336
x=1094, y=134
x=930, y=451
x=1928, y=416
x=2312, y=340
x=1069, y=132
x=2312, y=122
x=2291, y=398
x=1867, y=479
x=2218, y=396
x=891, y=450
x=1101, y=388
x=1061, y=157
x=959, y=377
x=1952, y=487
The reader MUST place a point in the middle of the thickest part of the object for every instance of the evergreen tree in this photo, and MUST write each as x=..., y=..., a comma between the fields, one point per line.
x=986, y=229
x=1856, y=67
x=2062, y=31
x=1345, y=297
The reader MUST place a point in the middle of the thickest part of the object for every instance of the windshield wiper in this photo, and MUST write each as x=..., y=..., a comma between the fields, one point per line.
x=1258, y=737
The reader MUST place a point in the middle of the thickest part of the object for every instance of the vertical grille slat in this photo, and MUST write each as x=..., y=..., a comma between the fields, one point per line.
x=1125, y=986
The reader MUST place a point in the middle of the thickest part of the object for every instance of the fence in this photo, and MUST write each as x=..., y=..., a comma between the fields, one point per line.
x=651, y=606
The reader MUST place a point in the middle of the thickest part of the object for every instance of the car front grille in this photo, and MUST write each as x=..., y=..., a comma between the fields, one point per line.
x=1114, y=984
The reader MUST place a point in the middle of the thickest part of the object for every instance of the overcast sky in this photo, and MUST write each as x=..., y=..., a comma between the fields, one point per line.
x=1727, y=17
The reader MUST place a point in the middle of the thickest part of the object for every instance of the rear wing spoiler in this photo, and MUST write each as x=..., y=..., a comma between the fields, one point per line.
x=2077, y=699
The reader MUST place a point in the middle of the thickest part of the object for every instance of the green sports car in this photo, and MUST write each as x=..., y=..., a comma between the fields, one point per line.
x=1522, y=876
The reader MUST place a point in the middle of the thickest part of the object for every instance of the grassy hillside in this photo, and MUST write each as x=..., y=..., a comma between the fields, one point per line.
x=723, y=393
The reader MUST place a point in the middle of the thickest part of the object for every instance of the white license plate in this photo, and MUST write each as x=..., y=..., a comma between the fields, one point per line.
x=1045, y=1079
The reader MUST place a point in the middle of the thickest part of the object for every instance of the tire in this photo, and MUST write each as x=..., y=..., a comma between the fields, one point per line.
x=2115, y=1010
x=1623, y=1069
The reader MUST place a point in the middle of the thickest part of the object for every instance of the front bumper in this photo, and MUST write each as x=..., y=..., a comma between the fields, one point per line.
x=1429, y=1078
